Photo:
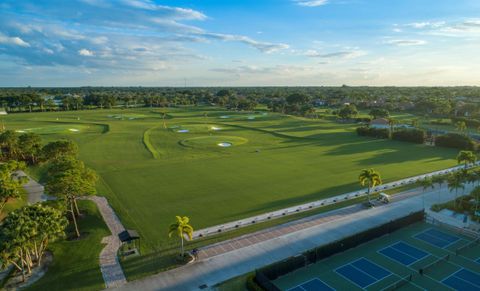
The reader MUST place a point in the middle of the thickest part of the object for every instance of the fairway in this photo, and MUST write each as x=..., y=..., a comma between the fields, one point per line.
x=151, y=171
x=448, y=261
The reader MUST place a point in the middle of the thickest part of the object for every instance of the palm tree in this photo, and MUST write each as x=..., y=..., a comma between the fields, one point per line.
x=461, y=126
x=476, y=194
x=467, y=157
x=426, y=183
x=370, y=178
x=181, y=228
x=455, y=182
x=392, y=122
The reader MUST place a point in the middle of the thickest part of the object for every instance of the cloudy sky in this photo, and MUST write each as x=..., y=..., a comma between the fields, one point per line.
x=239, y=42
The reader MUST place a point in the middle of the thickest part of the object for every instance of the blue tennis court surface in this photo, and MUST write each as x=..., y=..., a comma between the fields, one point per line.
x=403, y=253
x=312, y=285
x=363, y=272
x=464, y=280
x=437, y=238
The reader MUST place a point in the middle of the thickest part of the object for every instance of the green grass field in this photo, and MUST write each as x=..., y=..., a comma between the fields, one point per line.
x=151, y=173
x=328, y=270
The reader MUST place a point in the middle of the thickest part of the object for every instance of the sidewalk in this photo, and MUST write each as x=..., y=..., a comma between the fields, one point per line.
x=229, y=264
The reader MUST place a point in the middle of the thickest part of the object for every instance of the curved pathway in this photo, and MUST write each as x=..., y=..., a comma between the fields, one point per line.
x=109, y=265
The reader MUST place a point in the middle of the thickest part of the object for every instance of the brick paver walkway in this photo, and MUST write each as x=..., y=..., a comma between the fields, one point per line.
x=109, y=265
x=270, y=233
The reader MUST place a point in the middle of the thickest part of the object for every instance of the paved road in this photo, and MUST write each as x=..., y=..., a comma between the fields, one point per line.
x=218, y=267
x=35, y=191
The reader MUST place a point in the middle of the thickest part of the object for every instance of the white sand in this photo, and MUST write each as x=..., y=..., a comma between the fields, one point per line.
x=183, y=130
x=224, y=116
x=251, y=118
x=20, y=131
x=216, y=128
x=73, y=129
x=224, y=144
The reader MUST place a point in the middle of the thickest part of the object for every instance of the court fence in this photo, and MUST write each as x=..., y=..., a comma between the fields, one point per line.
x=266, y=275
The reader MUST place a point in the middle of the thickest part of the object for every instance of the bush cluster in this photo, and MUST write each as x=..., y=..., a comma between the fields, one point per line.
x=373, y=132
x=410, y=135
x=455, y=140
x=470, y=122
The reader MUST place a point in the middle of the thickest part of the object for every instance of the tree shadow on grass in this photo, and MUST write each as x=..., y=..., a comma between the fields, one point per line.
x=292, y=201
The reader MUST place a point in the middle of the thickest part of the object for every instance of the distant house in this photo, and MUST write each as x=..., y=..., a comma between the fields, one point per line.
x=379, y=123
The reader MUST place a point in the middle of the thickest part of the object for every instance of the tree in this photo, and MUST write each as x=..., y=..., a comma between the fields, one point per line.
x=426, y=183
x=26, y=233
x=348, y=111
x=466, y=157
x=30, y=145
x=392, y=122
x=379, y=113
x=58, y=149
x=461, y=126
x=181, y=228
x=71, y=184
x=476, y=195
x=455, y=181
x=10, y=182
x=370, y=178
x=9, y=144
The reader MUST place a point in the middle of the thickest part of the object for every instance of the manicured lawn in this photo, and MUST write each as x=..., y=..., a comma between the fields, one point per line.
x=275, y=161
x=75, y=265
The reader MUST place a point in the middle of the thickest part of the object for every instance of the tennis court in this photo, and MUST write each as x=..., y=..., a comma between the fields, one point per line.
x=418, y=257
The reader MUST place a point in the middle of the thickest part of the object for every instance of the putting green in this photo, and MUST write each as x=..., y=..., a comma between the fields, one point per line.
x=213, y=141
x=57, y=129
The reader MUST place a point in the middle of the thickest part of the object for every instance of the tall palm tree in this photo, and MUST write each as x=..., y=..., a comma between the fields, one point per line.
x=466, y=157
x=476, y=194
x=181, y=228
x=461, y=126
x=455, y=182
x=370, y=178
x=426, y=183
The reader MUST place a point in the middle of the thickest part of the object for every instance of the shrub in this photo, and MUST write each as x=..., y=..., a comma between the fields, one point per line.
x=470, y=122
x=373, y=132
x=457, y=141
x=410, y=135
x=252, y=284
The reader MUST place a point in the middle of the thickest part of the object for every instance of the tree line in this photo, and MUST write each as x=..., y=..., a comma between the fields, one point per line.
x=25, y=233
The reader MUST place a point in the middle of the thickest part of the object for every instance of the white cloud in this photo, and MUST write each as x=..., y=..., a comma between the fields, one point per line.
x=343, y=54
x=311, y=3
x=406, y=42
x=17, y=41
x=265, y=47
x=86, y=53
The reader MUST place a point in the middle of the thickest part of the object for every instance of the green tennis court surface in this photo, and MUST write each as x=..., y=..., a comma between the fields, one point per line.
x=418, y=257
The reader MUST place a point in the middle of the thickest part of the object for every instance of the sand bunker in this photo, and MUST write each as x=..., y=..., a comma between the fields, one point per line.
x=73, y=129
x=20, y=131
x=216, y=128
x=224, y=116
x=183, y=130
x=251, y=117
x=224, y=144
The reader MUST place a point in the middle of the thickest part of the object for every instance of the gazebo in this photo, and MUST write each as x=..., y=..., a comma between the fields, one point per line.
x=129, y=240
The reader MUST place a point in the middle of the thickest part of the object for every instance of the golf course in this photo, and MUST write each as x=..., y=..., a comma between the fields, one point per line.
x=217, y=166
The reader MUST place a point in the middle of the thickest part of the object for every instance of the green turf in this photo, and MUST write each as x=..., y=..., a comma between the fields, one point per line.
x=287, y=160
x=325, y=269
x=75, y=265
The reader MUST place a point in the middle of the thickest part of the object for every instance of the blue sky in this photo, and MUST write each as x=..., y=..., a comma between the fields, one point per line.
x=239, y=43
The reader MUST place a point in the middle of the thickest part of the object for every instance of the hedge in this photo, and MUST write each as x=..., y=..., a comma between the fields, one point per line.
x=455, y=140
x=373, y=132
x=410, y=135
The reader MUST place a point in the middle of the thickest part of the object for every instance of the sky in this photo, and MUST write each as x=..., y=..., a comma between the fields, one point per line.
x=239, y=42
